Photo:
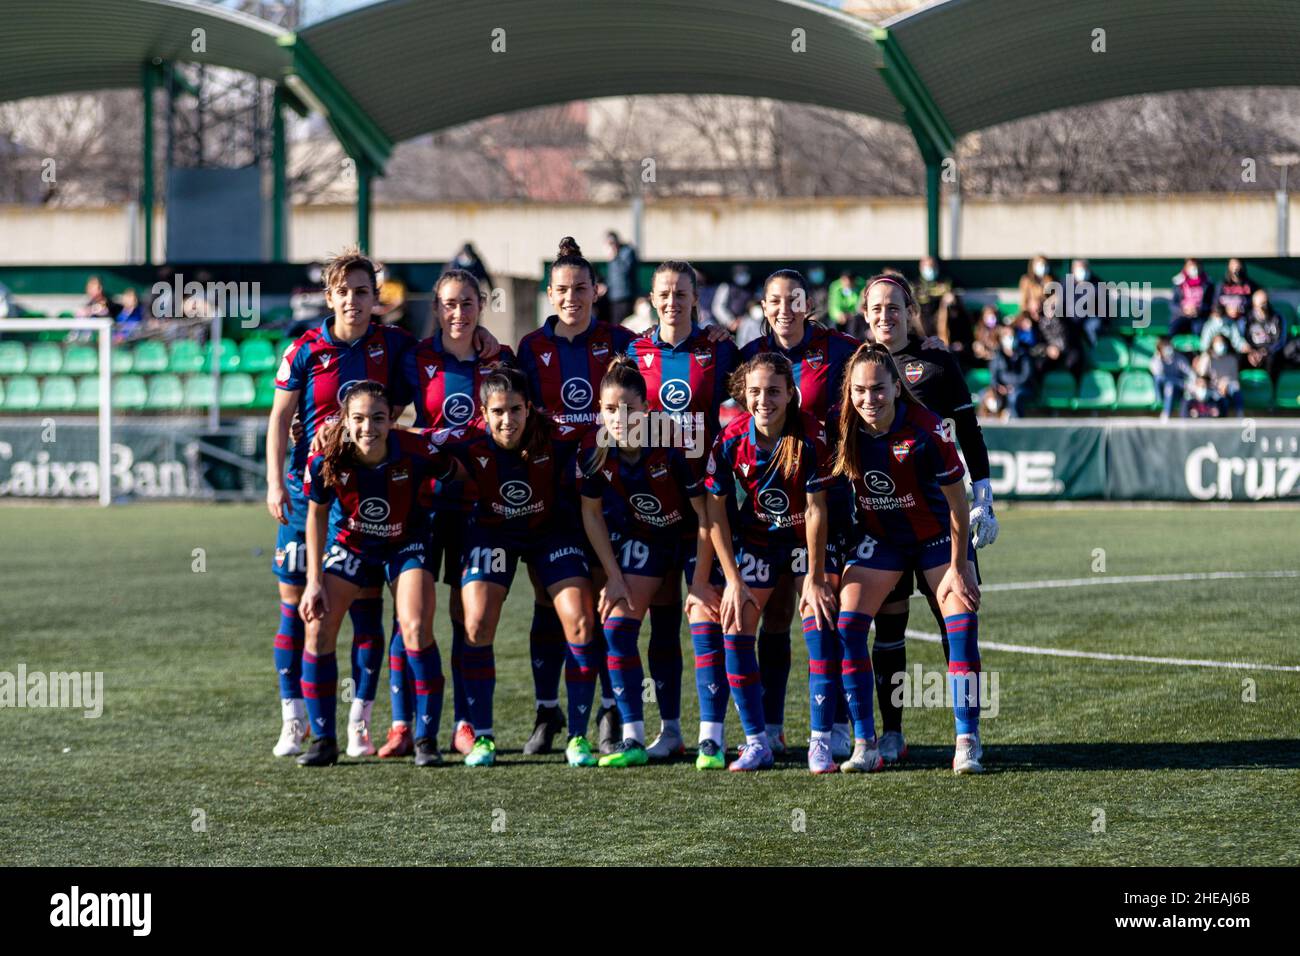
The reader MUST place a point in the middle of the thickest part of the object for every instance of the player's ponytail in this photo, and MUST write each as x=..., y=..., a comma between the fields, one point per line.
x=337, y=449
x=789, y=450
x=539, y=427
x=868, y=353
x=570, y=254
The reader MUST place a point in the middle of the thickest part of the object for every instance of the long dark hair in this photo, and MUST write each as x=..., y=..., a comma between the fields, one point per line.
x=789, y=448
x=868, y=353
x=538, y=428
x=336, y=447
x=795, y=276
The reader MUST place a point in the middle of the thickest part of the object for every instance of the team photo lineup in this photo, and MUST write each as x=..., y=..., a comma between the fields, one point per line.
x=807, y=473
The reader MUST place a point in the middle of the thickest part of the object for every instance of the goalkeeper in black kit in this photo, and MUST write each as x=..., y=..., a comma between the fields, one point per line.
x=936, y=379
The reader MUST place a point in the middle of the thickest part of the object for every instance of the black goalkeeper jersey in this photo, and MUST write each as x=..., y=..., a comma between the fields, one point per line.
x=936, y=379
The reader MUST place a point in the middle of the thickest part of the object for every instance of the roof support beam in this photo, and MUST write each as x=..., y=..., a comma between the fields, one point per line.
x=934, y=137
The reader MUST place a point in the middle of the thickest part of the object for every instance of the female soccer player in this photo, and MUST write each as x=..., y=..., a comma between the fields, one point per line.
x=935, y=378
x=520, y=475
x=564, y=362
x=639, y=503
x=346, y=348
x=443, y=373
x=686, y=368
x=778, y=457
x=818, y=356
x=370, y=488
x=911, y=511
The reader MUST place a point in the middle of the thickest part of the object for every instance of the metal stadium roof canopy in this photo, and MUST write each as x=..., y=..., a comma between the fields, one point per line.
x=396, y=69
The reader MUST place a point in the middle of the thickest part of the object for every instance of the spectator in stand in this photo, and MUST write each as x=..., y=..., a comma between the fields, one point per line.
x=96, y=305
x=642, y=318
x=1172, y=373
x=1011, y=378
x=1038, y=274
x=468, y=259
x=1236, y=289
x=842, y=302
x=1058, y=345
x=731, y=299
x=620, y=277
x=1203, y=401
x=1220, y=367
x=130, y=319
x=1089, y=313
x=1265, y=335
x=942, y=312
x=1229, y=326
x=988, y=335
x=1193, y=293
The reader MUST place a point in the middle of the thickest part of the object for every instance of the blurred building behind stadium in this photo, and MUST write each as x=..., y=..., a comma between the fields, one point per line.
x=838, y=139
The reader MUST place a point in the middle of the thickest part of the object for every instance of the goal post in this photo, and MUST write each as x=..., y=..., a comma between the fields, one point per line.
x=104, y=328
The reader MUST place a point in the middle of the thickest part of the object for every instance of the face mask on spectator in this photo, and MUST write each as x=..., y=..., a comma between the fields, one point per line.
x=929, y=273
x=1200, y=392
x=1008, y=342
x=1040, y=269
x=1220, y=348
x=742, y=279
x=990, y=321
x=1080, y=274
x=1193, y=272
x=817, y=276
x=1167, y=353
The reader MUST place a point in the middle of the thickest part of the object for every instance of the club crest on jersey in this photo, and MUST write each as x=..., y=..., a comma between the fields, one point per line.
x=902, y=448
x=658, y=470
x=279, y=557
x=376, y=350
x=815, y=359
x=400, y=474
x=599, y=349
x=704, y=357
x=913, y=371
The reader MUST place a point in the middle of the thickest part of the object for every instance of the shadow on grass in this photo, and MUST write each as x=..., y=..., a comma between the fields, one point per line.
x=1196, y=755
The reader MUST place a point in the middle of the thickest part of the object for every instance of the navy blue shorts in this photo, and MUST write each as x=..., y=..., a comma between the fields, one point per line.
x=494, y=558
x=290, y=564
x=761, y=566
x=372, y=572
x=644, y=557
x=869, y=552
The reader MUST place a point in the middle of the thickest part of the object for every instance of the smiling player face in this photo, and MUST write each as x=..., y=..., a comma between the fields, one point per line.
x=767, y=396
x=458, y=310
x=785, y=306
x=673, y=298
x=886, y=315
x=368, y=421
x=353, y=300
x=613, y=401
x=873, y=392
x=572, y=295
x=506, y=414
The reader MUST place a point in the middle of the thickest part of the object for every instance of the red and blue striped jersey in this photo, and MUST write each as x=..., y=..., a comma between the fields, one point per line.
x=564, y=375
x=648, y=498
x=519, y=498
x=772, y=514
x=372, y=510
x=899, y=498
x=444, y=388
x=819, y=361
x=690, y=377
x=319, y=367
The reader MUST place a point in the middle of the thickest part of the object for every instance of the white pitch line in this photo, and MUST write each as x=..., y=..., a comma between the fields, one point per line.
x=1098, y=656
x=1102, y=579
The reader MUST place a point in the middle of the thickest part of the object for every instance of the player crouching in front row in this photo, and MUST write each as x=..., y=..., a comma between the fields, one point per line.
x=910, y=510
x=370, y=488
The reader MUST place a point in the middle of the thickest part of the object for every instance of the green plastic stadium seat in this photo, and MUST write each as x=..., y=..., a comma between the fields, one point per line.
x=1288, y=389
x=150, y=357
x=198, y=391
x=87, y=393
x=265, y=391
x=1096, y=391
x=2, y=393
x=1110, y=354
x=1141, y=350
x=1284, y=309
x=237, y=390
x=13, y=358
x=186, y=357
x=229, y=356
x=1058, y=391
x=123, y=360
x=1256, y=388
x=129, y=392
x=58, y=393
x=256, y=355
x=81, y=360
x=44, y=358
x=1006, y=308
x=1187, y=344
x=1136, y=391
x=166, y=393
x=977, y=379
x=22, y=394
